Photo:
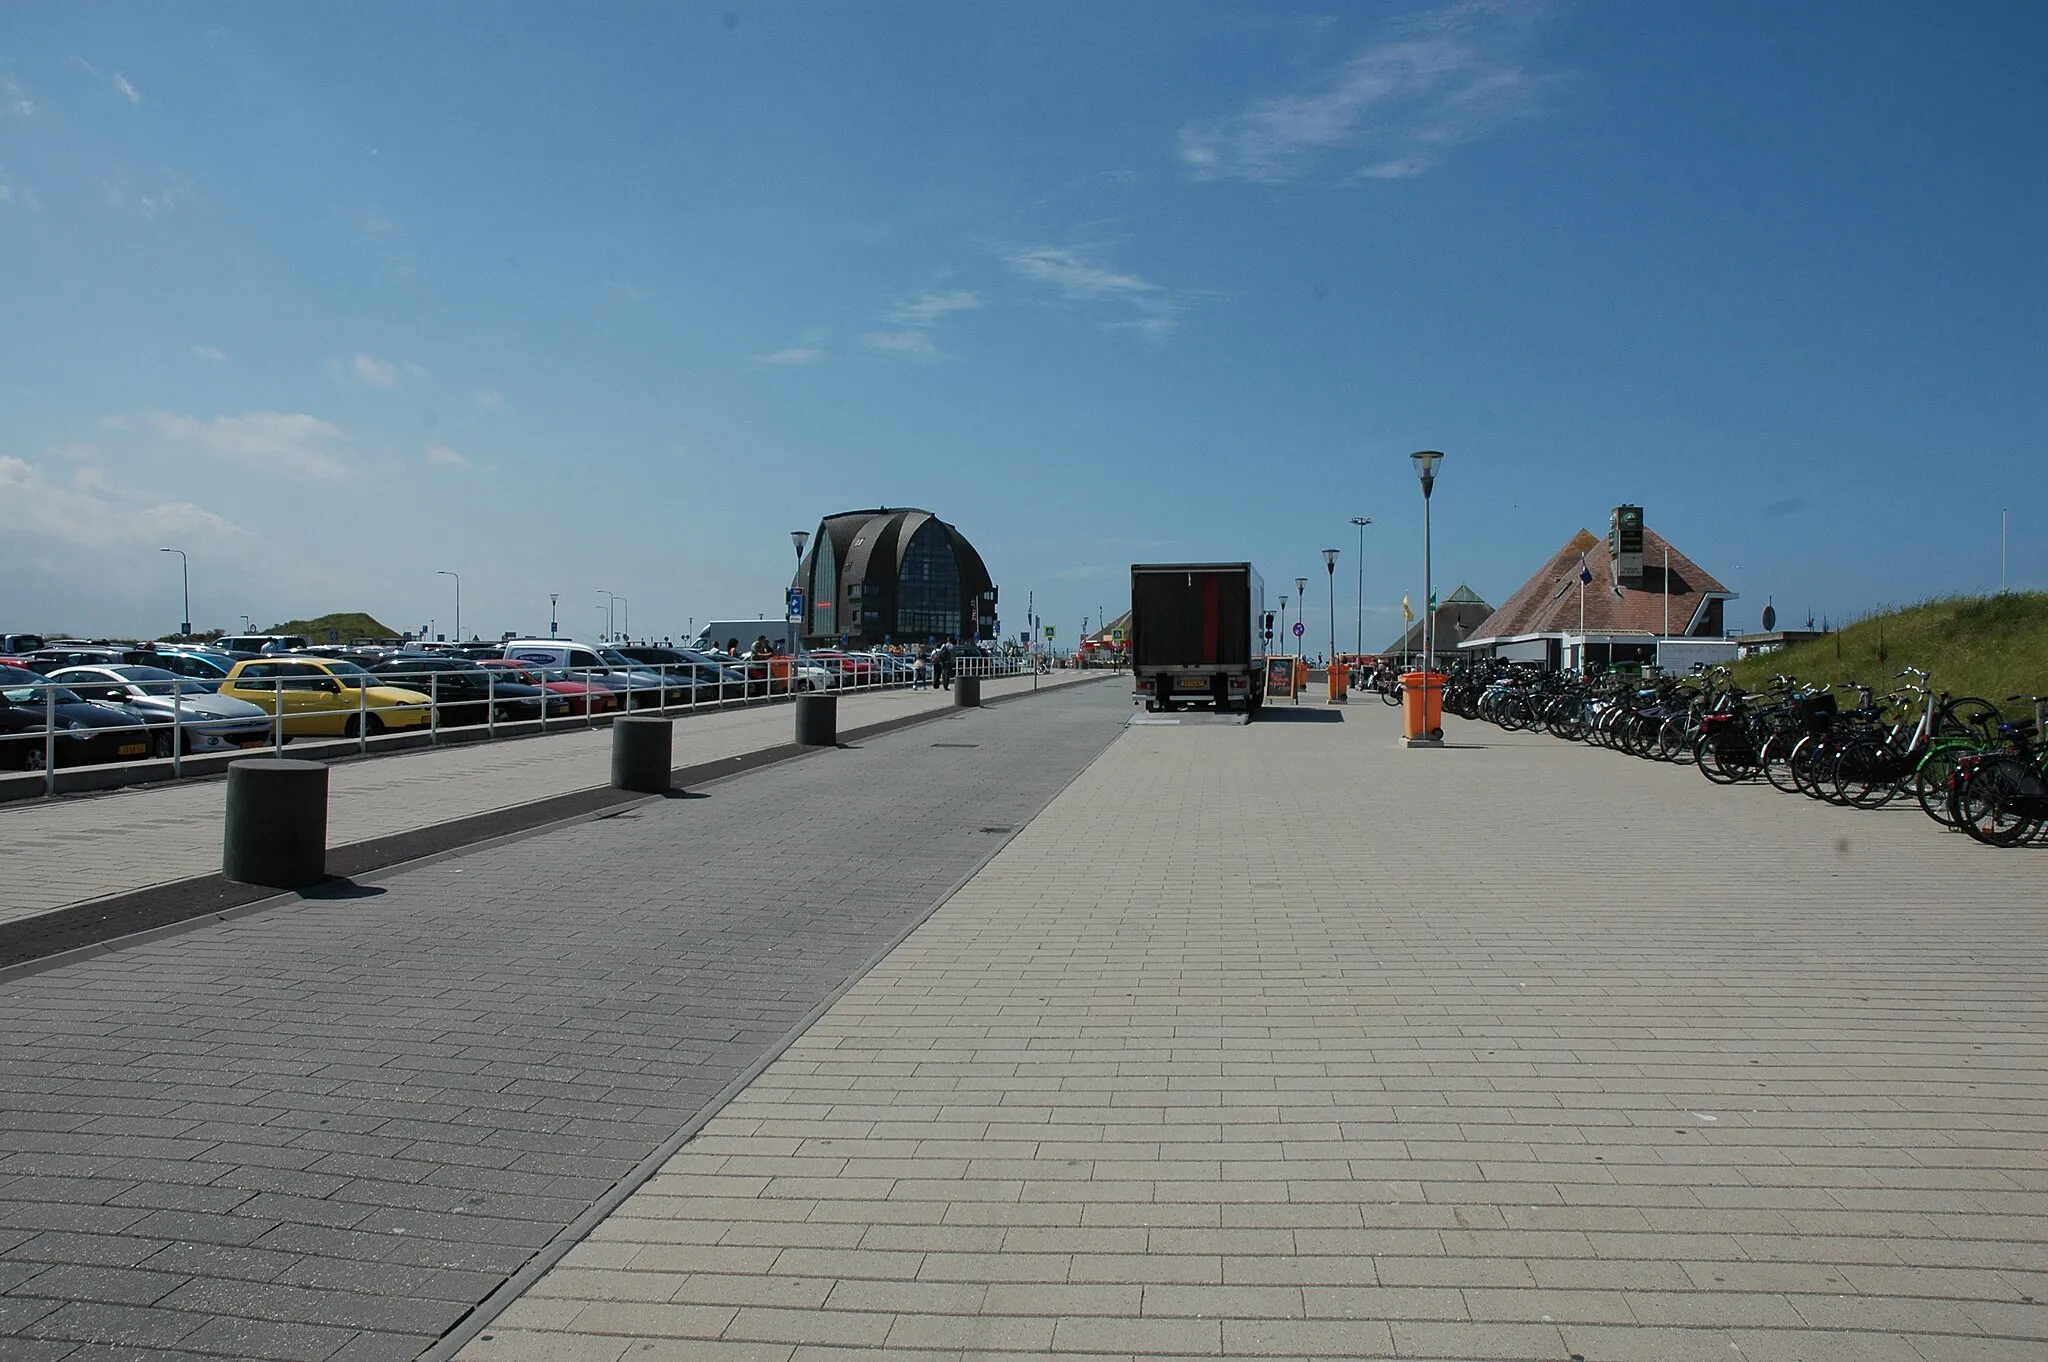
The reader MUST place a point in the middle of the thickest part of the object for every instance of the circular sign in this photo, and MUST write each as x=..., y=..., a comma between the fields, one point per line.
x=1299, y=629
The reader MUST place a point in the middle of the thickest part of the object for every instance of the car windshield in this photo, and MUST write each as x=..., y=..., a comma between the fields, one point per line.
x=157, y=681
x=32, y=696
x=613, y=657
x=350, y=675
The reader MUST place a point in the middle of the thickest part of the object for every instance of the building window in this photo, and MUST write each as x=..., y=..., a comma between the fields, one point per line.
x=928, y=589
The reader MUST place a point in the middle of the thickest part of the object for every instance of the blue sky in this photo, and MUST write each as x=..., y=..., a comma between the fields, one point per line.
x=569, y=297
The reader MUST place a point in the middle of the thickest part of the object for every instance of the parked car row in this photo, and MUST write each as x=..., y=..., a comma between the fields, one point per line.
x=84, y=701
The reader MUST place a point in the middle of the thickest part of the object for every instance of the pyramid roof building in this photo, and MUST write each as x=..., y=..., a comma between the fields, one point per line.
x=1547, y=604
x=1456, y=616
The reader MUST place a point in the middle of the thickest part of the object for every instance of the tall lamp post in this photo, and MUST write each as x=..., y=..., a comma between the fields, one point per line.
x=554, y=599
x=1300, y=605
x=184, y=571
x=609, y=613
x=1426, y=461
x=800, y=538
x=444, y=572
x=1361, y=522
x=625, y=630
x=1330, y=562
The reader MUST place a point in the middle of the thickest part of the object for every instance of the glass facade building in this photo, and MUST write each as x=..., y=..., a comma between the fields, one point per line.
x=893, y=575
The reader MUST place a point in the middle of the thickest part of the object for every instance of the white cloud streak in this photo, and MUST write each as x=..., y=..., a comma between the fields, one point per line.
x=915, y=318
x=288, y=445
x=446, y=457
x=94, y=511
x=128, y=91
x=209, y=354
x=490, y=399
x=1395, y=110
x=793, y=357
x=1078, y=274
x=15, y=101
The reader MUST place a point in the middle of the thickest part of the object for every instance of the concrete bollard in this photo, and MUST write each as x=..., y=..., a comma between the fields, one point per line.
x=276, y=829
x=817, y=720
x=640, y=753
x=966, y=692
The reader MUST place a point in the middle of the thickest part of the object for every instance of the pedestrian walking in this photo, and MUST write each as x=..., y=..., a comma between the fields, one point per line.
x=942, y=664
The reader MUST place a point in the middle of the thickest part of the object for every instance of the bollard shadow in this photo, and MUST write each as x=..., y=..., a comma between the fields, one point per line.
x=341, y=887
x=1270, y=715
x=674, y=793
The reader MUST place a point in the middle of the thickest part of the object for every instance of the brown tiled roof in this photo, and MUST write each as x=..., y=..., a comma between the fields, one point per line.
x=1548, y=603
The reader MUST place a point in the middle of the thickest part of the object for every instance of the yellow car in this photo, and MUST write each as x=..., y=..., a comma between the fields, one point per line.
x=325, y=696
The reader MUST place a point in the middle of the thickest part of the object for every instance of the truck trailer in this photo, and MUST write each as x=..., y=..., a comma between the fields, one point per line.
x=1198, y=635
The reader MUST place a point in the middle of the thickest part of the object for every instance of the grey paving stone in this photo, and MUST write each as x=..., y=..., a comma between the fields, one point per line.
x=362, y=1113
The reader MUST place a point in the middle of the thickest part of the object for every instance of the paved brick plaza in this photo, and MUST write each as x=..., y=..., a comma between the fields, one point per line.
x=1267, y=1041
x=1281, y=1041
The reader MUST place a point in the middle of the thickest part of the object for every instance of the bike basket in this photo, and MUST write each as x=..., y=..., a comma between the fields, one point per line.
x=1818, y=707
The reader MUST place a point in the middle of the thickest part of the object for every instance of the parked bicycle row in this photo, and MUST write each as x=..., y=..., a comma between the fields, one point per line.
x=74, y=703
x=1960, y=758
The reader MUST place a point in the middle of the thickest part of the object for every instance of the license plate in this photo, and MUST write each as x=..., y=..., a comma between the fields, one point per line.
x=134, y=749
x=1192, y=683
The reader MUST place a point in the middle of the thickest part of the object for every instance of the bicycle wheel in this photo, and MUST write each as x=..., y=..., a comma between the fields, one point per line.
x=1865, y=774
x=1803, y=761
x=1931, y=781
x=1777, y=760
x=1672, y=739
x=1993, y=804
x=1969, y=715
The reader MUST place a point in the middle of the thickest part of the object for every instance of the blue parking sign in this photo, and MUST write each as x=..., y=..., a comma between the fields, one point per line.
x=796, y=605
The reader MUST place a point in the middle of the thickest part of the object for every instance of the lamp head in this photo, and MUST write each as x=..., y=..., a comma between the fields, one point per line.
x=1300, y=584
x=1330, y=559
x=1426, y=461
x=1361, y=521
x=799, y=538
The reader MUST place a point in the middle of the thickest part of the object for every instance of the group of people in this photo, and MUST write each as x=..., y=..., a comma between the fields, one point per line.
x=939, y=664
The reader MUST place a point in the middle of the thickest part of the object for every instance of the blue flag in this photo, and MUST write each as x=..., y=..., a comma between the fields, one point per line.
x=1585, y=573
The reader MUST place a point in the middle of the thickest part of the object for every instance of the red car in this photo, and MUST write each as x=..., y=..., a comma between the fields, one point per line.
x=585, y=697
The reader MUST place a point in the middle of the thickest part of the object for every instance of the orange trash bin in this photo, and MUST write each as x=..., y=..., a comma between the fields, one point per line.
x=1340, y=682
x=1422, y=704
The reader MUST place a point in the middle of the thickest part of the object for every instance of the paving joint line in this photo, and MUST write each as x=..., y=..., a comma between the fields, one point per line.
x=480, y=1316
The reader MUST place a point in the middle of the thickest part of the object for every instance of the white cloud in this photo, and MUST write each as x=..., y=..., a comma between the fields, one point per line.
x=442, y=454
x=14, y=101
x=209, y=354
x=128, y=92
x=1434, y=83
x=490, y=399
x=95, y=511
x=918, y=343
x=929, y=309
x=915, y=318
x=794, y=356
x=121, y=194
x=383, y=239
x=292, y=445
x=1079, y=275
x=367, y=370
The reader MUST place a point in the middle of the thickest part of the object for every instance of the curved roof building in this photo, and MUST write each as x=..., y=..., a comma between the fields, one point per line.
x=894, y=574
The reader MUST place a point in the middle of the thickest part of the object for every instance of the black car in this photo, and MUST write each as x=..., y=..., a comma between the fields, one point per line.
x=468, y=692
x=86, y=733
x=698, y=677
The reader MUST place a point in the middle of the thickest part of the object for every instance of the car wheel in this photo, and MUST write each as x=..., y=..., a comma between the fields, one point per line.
x=32, y=758
x=375, y=723
x=160, y=744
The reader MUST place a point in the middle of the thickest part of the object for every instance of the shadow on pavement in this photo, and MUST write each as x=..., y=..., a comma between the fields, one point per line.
x=341, y=887
x=1269, y=715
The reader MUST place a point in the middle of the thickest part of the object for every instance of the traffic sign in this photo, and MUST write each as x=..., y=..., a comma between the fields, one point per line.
x=1299, y=629
x=1049, y=631
x=796, y=605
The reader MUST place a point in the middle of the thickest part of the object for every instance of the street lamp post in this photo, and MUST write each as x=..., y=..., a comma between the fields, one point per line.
x=1330, y=563
x=554, y=599
x=626, y=613
x=1426, y=461
x=185, y=572
x=444, y=572
x=1300, y=605
x=608, y=614
x=800, y=538
x=1361, y=522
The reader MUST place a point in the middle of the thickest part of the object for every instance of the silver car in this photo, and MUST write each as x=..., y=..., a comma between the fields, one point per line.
x=210, y=722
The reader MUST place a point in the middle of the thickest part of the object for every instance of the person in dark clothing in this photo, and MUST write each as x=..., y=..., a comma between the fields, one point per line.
x=942, y=664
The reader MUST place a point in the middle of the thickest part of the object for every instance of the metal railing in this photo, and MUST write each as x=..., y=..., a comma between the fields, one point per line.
x=347, y=712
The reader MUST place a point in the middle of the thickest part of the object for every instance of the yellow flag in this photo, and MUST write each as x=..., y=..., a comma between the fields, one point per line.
x=1407, y=615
